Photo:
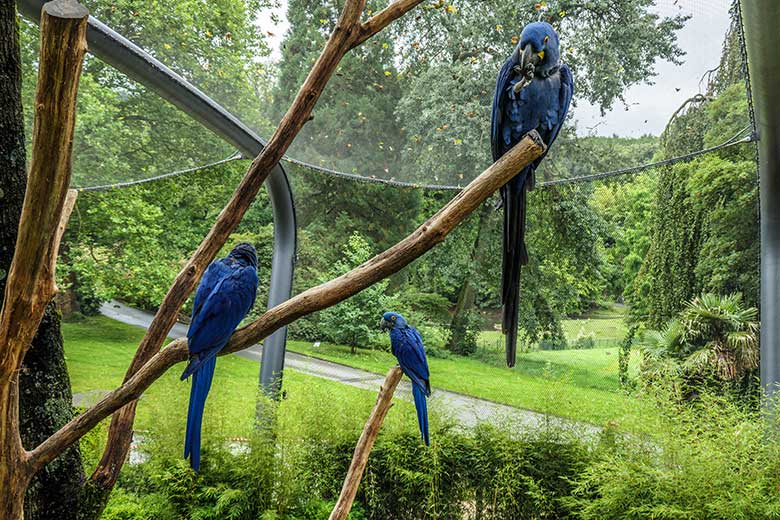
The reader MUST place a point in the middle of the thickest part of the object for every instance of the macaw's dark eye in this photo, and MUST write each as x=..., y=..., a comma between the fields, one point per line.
x=546, y=39
x=392, y=318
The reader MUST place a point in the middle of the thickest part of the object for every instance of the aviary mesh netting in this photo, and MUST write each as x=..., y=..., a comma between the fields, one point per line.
x=647, y=199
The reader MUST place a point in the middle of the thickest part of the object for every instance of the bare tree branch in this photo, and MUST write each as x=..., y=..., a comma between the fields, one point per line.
x=383, y=18
x=429, y=234
x=364, y=445
x=45, y=212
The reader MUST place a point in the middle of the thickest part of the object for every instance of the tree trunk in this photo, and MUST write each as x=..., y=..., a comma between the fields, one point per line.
x=43, y=385
x=12, y=184
x=45, y=405
x=15, y=477
x=467, y=294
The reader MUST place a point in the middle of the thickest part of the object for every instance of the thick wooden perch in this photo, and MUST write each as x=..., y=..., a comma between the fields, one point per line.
x=348, y=33
x=45, y=212
x=432, y=232
x=365, y=444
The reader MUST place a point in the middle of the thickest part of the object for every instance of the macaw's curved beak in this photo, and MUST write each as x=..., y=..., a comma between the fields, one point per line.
x=529, y=58
x=384, y=325
x=528, y=61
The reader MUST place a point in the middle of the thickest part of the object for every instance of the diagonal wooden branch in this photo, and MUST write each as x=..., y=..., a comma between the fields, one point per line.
x=432, y=232
x=365, y=443
x=383, y=18
x=347, y=34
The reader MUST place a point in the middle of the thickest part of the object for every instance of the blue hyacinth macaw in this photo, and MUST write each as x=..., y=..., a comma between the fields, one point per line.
x=533, y=92
x=224, y=296
x=407, y=346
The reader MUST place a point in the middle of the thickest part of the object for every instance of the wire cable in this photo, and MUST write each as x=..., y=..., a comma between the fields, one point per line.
x=235, y=156
x=666, y=162
x=733, y=141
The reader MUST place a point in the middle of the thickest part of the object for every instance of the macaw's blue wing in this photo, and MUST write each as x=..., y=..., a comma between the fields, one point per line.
x=215, y=273
x=231, y=294
x=502, y=83
x=564, y=101
x=408, y=349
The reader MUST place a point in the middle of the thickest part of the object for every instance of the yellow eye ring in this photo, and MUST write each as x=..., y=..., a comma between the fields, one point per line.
x=392, y=318
x=546, y=39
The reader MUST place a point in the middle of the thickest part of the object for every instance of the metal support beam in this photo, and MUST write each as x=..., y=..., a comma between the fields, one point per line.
x=759, y=18
x=130, y=59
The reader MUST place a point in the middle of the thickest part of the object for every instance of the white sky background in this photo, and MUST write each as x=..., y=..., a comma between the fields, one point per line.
x=650, y=106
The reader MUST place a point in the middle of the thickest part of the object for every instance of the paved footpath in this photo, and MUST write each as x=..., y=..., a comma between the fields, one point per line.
x=467, y=410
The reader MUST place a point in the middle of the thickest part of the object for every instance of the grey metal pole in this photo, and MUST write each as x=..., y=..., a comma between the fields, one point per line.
x=760, y=19
x=124, y=55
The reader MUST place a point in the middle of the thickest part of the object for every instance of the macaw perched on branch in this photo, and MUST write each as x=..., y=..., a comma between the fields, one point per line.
x=407, y=346
x=224, y=296
x=533, y=92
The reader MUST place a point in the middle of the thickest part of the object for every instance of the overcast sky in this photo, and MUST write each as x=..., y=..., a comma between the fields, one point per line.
x=650, y=106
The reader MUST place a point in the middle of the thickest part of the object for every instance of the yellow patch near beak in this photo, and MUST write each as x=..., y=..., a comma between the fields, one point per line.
x=541, y=55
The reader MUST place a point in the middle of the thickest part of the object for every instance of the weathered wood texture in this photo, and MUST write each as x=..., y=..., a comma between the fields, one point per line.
x=432, y=232
x=349, y=33
x=364, y=445
x=30, y=284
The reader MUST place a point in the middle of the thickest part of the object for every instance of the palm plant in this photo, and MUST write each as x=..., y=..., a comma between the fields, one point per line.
x=660, y=351
x=722, y=334
x=712, y=335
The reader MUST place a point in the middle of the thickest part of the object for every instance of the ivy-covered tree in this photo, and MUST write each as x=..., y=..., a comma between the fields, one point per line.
x=704, y=234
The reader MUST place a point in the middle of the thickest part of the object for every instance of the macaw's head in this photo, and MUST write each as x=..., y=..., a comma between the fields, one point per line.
x=539, y=48
x=392, y=320
x=245, y=254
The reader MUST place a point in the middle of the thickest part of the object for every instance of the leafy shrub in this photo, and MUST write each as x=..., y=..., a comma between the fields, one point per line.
x=711, y=459
x=436, y=352
x=128, y=506
x=553, y=343
x=583, y=342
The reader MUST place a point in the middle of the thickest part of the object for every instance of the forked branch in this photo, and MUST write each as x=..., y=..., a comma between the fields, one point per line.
x=364, y=445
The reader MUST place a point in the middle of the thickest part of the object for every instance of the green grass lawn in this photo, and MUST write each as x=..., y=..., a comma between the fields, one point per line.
x=578, y=384
x=98, y=351
x=607, y=326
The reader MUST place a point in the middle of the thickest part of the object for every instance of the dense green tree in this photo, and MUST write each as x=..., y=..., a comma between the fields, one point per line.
x=449, y=59
x=124, y=130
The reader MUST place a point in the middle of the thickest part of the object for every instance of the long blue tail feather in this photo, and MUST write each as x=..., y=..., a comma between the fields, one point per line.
x=421, y=404
x=515, y=255
x=201, y=383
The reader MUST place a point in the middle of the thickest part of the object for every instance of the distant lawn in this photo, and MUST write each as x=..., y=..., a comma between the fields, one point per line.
x=578, y=384
x=98, y=351
x=607, y=326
